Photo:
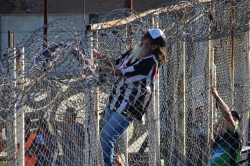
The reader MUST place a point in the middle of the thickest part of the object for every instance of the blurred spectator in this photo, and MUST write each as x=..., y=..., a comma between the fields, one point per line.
x=226, y=146
x=47, y=143
x=72, y=140
x=31, y=148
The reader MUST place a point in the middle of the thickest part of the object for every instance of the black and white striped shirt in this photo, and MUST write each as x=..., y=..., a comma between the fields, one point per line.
x=131, y=93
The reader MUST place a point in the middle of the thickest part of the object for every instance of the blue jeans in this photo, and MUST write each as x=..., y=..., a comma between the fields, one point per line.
x=114, y=125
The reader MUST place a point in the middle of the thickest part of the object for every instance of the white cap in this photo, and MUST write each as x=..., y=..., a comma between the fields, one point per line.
x=156, y=35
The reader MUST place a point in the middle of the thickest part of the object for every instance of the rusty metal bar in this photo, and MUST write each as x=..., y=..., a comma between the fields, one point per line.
x=212, y=74
x=183, y=106
x=13, y=37
x=10, y=39
x=232, y=55
x=182, y=96
x=144, y=14
x=84, y=7
x=45, y=30
x=129, y=4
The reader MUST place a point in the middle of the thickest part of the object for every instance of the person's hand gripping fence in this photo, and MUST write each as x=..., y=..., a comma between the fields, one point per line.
x=108, y=66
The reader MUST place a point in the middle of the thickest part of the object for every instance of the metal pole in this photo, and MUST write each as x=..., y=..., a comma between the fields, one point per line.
x=84, y=20
x=9, y=125
x=97, y=88
x=45, y=30
x=99, y=160
x=86, y=125
x=13, y=98
x=129, y=4
x=210, y=98
x=151, y=139
x=154, y=117
x=232, y=57
x=126, y=132
x=13, y=37
x=157, y=105
x=157, y=119
x=88, y=113
x=20, y=117
x=183, y=106
x=10, y=39
x=92, y=135
x=211, y=77
x=247, y=90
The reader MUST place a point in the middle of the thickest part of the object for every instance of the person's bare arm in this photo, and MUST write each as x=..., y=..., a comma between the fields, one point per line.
x=118, y=160
x=212, y=142
x=225, y=110
x=113, y=71
x=109, y=66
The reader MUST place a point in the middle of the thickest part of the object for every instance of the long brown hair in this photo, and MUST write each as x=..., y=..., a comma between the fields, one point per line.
x=161, y=56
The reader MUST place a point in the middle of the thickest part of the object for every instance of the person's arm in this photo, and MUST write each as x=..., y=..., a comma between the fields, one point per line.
x=212, y=142
x=225, y=110
x=113, y=71
x=118, y=160
x=109, y=66
x=103, y=58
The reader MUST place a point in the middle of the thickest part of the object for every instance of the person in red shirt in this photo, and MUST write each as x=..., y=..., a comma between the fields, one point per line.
x=31, y=148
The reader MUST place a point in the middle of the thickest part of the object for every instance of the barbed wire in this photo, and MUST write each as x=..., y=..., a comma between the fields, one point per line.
x=60, y=75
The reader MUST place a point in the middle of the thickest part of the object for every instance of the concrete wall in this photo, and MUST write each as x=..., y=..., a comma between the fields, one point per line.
x=21, y=25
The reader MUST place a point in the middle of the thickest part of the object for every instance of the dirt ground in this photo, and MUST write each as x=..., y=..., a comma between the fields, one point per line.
x=74, y=6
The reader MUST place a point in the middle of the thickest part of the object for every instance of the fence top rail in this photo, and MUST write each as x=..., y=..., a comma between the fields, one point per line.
x=132, y=18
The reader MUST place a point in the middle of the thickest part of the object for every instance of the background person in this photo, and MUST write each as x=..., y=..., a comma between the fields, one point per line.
x=136, y=71
x=47, y=143
x=226, y=146
x=31, y=148
x=72, y=138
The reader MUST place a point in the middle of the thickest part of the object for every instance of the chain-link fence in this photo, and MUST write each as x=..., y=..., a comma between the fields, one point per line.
x=53, y=100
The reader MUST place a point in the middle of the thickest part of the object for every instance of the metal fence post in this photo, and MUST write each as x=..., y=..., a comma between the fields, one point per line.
x=14, y=86
x=157, y=104
x=20, y=139
x=210, y=98
x=183, y=107
x=11, y=146
x=88, y=136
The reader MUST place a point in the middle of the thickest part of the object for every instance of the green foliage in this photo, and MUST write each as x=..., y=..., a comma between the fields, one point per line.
x=3, y=164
